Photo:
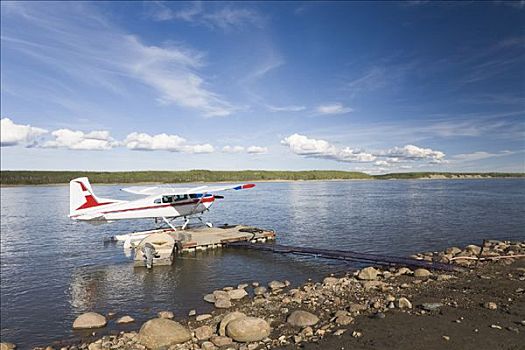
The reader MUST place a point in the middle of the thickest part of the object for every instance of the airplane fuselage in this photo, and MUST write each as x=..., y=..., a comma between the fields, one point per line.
x=149, y=207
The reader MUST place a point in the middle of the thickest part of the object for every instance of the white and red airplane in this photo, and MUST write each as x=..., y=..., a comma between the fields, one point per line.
x=167, y=203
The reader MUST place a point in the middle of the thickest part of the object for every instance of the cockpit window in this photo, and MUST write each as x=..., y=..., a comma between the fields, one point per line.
x=181, y=197
x=157, y=201
x=167, y=199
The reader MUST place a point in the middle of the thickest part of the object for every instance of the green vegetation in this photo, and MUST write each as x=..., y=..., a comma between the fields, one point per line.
x=57, y=177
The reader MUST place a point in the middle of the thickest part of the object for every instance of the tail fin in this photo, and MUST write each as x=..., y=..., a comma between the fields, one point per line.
x=81, y=196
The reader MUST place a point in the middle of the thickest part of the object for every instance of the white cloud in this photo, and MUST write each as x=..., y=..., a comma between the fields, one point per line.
x=302, y=145
x=291, y=108
x=313, y=148
x=12, y=134
x=415, y=152
x=333, y=108
x=78, y=140
x=173, y=143
x=257, y=150
x=233, y=149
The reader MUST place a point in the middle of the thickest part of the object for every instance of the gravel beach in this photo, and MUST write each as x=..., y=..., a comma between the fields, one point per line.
x=479, y=306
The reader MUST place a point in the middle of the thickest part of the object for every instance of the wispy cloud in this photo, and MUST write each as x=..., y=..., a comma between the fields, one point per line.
x=12, y=134
x=291, y=108
x=489, y=62
x=479, y=155
x=333, y=108
x=105, y=56
x=241, y=149
x=317, y=148
x=225, y=17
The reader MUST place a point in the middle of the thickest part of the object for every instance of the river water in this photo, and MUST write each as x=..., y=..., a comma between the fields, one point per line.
x=53, y=269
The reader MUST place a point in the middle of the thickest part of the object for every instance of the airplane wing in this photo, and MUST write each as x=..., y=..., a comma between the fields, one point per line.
x=155, y=190
x=161, y=190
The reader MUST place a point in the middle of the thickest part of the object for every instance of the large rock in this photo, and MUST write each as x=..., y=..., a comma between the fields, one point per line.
x=368, y=274
x=300, y=318
x=355, y=308
x=221, y=294
x=403, y=271
x=227, y=319
x=223, y=304
x=248, y=329
x=236, y=294
x=203, y=332
x=89, y=320
x=276, y=285
x=7, y=346
x=210, y=298
x=330, y=281
x=473, y=249
x=220, y=341
x=259, y=290
x=203, y=317
x=208, y=345
x=431, y=306
x=166, y=314
x=373, y=284
x=125, y=319
x=453, y=250
x=422, y=273
x=92, y=346
x=344, y=320
x=404, y=303
x=160, y=333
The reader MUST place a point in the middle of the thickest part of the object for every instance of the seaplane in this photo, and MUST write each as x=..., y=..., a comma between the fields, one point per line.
x=159, y=202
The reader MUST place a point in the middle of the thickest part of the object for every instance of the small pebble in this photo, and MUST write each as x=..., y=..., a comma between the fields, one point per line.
x=490, y=305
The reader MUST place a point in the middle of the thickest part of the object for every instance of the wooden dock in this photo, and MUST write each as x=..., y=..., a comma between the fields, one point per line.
x=204, y=238
x=194, y=239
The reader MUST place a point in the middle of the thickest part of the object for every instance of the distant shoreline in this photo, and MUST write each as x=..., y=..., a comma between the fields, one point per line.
x=12, y=178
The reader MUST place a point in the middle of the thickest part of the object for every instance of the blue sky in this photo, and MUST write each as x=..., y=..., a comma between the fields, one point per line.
x=375, y=87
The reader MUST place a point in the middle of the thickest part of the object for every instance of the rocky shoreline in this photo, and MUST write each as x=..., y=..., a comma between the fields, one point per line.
x=343, y=310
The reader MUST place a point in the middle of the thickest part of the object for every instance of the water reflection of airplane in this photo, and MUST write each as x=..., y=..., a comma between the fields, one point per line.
x=166, y=203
